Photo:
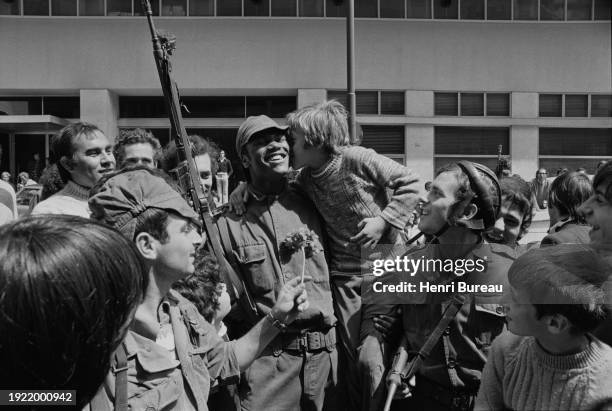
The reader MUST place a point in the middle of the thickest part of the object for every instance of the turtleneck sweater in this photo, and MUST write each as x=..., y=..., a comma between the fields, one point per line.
x=71, y=200
x=520, y=375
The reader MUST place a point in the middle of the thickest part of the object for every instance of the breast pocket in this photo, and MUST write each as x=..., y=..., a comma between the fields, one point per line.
x=257, y=269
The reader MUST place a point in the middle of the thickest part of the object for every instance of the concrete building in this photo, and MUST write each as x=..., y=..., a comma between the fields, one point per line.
x=437, y=80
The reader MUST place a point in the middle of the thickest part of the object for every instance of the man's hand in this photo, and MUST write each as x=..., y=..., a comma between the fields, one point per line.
x=291, y=300
x=388, y=325
x=372, y=229
x=403, y=389
x=238, y=198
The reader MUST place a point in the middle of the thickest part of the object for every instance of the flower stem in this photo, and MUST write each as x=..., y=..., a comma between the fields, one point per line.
x=303, y=262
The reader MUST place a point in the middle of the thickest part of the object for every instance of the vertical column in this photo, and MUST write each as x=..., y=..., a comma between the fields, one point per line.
x=419, y=150
x=310, y=96
x=101, y=107
x=12, y=159
x=524, y=140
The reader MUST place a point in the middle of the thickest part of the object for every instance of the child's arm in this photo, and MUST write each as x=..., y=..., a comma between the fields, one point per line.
x=381, y=171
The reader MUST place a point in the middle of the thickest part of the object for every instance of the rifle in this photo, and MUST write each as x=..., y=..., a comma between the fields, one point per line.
x=187, y=173
x=409, y=370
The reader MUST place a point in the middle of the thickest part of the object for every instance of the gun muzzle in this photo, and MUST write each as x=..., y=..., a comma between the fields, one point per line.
x=392, y=388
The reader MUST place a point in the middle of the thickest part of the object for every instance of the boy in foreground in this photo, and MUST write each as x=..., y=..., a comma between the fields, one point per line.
x=549, y=360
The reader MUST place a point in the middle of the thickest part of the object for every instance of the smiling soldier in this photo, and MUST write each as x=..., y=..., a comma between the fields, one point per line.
x=298, y=369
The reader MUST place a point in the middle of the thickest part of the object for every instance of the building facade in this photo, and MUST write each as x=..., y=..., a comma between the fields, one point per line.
x=437, y=80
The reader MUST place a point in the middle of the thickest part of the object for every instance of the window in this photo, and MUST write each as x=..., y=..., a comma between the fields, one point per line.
x=446, y=104
x=67, y=107
x=16, y=106
x=256, y=8
x=9, y=8
x=525, y=10
x=472, y=104
x=311, y=8
x=551, y=105
x=575, y=141
x=367, y=102
x=601, y=105
x=473, y=9
x=211, y=106
x=392, y=103
x=119, y=8
x=499, y=9
x=335, y=8
x=552, y=10
x=576, y=105
x=603, y=10
x=138, y=11
x=384, y=139
x=392, y=9
x=173, y=7
x=418, y=9
x=36, y=7
x=201, y=7
x=271, y=106
x=229, y=8
x=284, y=8
x=339, y=95
x=498, y=104
x=579, y=9
x=365, y=8
x=91, y=7
x=478, y=144
x=142, y=107
x=446, y=9
x=63, y=7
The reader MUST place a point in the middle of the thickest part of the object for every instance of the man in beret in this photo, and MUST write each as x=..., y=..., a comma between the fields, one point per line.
x=298, y=369
x=171, y=355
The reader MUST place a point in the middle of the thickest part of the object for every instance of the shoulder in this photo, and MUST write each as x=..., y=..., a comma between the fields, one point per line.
x=507, y=345
x=569, y=233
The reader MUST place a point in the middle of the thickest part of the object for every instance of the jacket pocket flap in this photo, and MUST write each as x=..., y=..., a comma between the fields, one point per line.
x=250, y=253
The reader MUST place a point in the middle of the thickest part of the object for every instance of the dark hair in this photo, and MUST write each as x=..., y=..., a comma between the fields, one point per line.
x=517, y=191
x=51, y=181
x=567, y=279
x=568, y=192
x=63, y=144
x=199, y=146
x=604, y=176
x=136, y=136
x=202, y=287
x=68, y=289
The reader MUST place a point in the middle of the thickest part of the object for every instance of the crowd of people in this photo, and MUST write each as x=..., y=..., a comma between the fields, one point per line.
x=110, y=287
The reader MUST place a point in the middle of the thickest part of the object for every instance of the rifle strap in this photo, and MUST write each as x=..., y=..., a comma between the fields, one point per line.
x=121, y=381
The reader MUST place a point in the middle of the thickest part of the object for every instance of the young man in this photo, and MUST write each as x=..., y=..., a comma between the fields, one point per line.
x=548, y=359
x=463, y=202
x=224, y=172
x=298, y=370
x=82, y=154
x=137, y=147
x=540, y=186
x=516, y=212
x=173, y=354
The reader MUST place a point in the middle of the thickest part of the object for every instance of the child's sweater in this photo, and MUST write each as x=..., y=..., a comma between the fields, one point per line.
x=520, y=375
x=353, y=186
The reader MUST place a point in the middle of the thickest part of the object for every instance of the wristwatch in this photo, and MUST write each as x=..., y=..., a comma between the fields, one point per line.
x=277, y=323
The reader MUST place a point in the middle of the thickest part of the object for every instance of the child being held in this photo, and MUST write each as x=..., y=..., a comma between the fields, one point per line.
x=548, y=360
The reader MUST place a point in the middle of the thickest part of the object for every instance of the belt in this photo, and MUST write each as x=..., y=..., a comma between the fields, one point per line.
x=452, y=399
x=307, y=341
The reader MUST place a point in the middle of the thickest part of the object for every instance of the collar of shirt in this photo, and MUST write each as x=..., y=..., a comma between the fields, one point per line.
x=259, y=196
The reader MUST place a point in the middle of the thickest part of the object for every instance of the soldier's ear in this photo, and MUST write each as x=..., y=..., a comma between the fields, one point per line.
x=245, y=159
x=67, y=163
x=470, y=211
x=146, y=245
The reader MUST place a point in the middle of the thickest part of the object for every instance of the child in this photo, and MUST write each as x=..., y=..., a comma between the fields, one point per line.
x=349, y=187
x=549, y=360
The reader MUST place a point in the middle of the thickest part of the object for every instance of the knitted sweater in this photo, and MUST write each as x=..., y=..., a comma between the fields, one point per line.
x=351, y=186
x=71, y=200
x=520, y=375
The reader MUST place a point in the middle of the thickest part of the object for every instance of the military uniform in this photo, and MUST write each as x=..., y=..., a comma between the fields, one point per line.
x=159, y=379
x=298, y=369
x=450, y=375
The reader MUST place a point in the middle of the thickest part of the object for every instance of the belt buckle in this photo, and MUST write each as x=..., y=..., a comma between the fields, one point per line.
x=313, y=340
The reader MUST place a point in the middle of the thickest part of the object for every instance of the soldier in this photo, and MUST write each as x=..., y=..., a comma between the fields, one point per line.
x=137, y=147
x=464, y=201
